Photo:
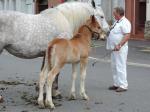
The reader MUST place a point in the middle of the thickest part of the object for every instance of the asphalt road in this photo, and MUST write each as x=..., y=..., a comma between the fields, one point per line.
x=18, y=78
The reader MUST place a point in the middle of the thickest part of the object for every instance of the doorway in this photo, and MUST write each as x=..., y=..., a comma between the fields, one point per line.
x=41, y=5
x=136, y=13
x=140, y=18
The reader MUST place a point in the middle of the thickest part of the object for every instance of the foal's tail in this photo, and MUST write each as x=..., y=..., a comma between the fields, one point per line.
x=46, y=57
x=43, y=62
x=49, y=56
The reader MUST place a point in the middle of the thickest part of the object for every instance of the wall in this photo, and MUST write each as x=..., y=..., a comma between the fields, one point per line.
x=147, y=23
x=148, y=11
x=26, y=6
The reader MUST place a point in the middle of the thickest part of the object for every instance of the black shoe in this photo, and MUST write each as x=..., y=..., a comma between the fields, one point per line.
x=113, y=88
x=121, y=89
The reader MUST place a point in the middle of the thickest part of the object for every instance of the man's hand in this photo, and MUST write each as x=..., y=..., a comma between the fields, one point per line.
x=117, y=47
x=125, y=39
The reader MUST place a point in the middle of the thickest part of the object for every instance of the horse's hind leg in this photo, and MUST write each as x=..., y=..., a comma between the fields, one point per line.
x=50, y=78
x=37, y=83
x=74, y=74
x=83, y=64
x=55, y=91
x=41, y=85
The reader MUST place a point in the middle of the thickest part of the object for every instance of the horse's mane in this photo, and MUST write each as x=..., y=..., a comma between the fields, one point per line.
x=75, y=12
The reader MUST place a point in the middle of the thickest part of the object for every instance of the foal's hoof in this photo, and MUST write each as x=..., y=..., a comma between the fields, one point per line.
x=49, y=105
x=72, y=96
x=84, y=96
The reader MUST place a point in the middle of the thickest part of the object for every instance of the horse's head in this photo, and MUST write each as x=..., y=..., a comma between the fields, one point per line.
x=100, y=17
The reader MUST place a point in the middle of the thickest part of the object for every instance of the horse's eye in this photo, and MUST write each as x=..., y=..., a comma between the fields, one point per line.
x=102, y=17
x=99, y=27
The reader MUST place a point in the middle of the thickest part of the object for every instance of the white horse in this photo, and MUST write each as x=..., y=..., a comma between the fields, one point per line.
x=27, y=36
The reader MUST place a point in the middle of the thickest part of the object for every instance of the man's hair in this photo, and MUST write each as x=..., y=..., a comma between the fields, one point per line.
x=119, y=10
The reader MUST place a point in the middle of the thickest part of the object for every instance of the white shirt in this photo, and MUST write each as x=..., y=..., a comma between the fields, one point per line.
x=122, y=27
x=88, y=1
x=97, y=2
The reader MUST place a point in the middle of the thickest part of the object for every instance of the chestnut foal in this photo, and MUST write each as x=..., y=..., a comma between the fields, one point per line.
x=61, y=51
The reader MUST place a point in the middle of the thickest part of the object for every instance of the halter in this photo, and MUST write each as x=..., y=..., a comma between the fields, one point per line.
x=93, y=32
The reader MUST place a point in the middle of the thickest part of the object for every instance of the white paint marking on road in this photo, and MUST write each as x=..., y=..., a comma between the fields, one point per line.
x=128, y=63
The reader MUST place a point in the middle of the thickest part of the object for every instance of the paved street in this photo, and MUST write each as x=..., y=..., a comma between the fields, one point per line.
x=18, y=78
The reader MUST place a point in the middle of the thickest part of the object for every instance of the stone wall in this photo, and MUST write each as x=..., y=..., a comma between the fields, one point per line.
x=147, y=30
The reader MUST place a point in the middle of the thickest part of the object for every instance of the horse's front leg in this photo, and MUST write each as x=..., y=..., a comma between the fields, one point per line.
x=41, y=85
x=83, y=64
x=50, y=79
x=74, y=75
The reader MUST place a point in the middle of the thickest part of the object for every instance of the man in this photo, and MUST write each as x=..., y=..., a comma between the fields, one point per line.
x=117, y=42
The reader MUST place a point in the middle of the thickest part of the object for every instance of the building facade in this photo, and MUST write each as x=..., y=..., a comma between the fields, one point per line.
x=137, y=11
x=26, y=6
x=147, y=23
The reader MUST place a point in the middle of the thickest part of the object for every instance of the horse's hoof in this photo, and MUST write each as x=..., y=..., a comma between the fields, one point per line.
x=41, y=104
x=52, y=107
x=1, y=99
x=84, y=96
x=72, y=96
x=49, y=104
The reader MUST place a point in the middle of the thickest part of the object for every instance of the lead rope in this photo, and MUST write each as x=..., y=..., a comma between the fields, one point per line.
x=103, y=57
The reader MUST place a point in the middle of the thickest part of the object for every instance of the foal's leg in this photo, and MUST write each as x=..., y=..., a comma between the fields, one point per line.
x=55, y=92
x=51, y=76
x=41, y=85
x=83, y=65
x=74, y=74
